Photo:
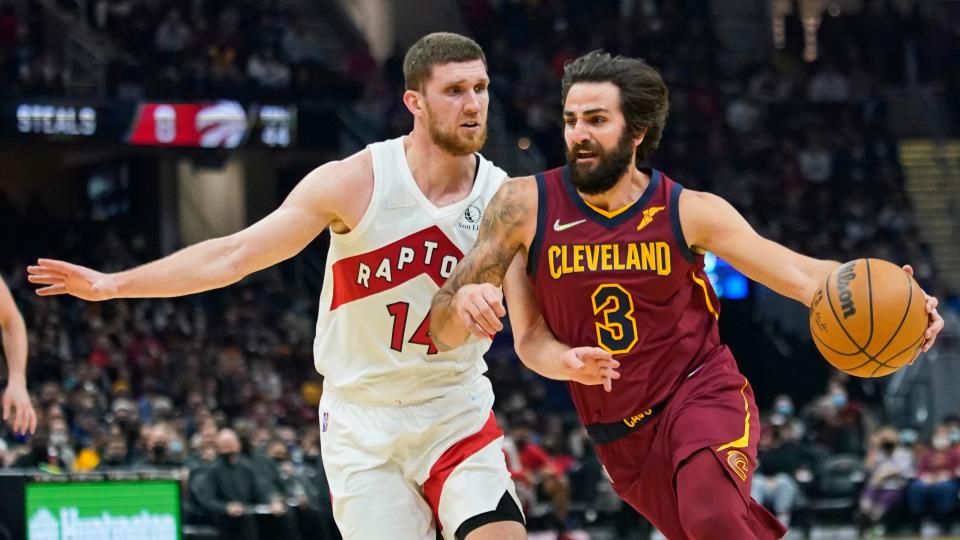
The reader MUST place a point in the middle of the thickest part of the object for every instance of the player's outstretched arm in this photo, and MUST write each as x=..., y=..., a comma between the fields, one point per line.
x=540, y=350
x=17, y=408
x=471, y=302
x=712, y=224
x=312, y=205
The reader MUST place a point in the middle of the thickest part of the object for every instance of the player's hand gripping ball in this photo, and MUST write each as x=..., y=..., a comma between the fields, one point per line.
x=869, y=318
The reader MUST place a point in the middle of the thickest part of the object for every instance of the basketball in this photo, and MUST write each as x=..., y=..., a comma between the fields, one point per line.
x=868, y=318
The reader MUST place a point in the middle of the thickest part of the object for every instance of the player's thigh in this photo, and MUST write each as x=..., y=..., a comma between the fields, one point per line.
x=475, y=492
x=372, y=499
x=379, y=503
x=501, y=530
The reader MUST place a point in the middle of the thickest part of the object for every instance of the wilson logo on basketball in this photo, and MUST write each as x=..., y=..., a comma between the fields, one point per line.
x=845, y=276
x=739, y=463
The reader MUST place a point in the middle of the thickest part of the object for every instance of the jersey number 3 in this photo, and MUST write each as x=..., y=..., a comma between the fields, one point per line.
x=616, y=328
x=421, y=336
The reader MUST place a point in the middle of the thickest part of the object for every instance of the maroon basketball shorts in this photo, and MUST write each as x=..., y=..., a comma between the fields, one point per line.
x=712, y=409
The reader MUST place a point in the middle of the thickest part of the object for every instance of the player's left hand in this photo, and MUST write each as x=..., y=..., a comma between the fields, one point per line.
x=17, y=408
x=590, y=366
x=936, y=321
x=480, y=307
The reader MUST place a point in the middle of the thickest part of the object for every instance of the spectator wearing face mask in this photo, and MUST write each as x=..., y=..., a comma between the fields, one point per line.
x=114, y=454
x=288, y=483
x=890, y=465
x=204, y=454
x=792, y=424
x=253, y=453
x=952, y=421
x=838, y=423
x=779, y=464
x=42, y=455
x=163, y=449
x=60, y=443
x=320, y=523
x=231, y=491
x=296, y=489
x=936, y=486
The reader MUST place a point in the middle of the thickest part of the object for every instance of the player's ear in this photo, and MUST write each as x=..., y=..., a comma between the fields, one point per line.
x=638, y=138
x=414, y=102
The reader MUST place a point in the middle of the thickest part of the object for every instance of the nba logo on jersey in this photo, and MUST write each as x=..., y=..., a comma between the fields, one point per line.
x=323, y=422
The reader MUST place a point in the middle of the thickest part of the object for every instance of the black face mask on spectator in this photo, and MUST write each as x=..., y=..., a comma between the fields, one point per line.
x=888, y=447
x=311, y=458
x=246, y=445
x=40, y=448
x=159, y=452
x=230, y=458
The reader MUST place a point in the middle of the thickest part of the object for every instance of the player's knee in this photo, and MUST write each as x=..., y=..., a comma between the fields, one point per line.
x=504, y=530
x=708, y=522
x=710, y=506
x=506, y=522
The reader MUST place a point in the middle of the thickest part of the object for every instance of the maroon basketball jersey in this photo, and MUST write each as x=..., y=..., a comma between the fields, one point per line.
x=627, y=282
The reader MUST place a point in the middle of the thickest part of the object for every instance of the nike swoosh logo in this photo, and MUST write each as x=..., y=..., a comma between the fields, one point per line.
x=396, y=206
x=558, y=227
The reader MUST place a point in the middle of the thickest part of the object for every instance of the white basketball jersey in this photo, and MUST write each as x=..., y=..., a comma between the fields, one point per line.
x=372, y=343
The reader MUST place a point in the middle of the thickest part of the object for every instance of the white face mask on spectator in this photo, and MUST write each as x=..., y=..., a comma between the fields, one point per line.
x=941, y=442
x=59, y=438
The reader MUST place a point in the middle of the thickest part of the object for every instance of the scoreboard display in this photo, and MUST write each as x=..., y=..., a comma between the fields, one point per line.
x=214, y=124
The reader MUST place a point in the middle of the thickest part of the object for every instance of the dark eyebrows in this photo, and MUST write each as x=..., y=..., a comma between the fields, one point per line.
x=588, y=112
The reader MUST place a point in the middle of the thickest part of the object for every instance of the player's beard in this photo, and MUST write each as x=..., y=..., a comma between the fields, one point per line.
x=609, y=167
x=453, y=142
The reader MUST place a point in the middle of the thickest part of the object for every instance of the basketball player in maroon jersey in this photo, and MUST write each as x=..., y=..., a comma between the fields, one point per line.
x=614, y=257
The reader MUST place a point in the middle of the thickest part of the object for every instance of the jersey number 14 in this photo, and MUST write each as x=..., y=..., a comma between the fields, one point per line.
x=421, y=336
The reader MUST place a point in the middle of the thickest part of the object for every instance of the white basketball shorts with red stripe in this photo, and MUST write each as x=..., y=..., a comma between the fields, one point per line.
x=395, y=472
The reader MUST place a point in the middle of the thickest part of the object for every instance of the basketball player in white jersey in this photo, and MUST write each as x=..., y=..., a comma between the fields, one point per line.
x=17, y=408
x=409, y=441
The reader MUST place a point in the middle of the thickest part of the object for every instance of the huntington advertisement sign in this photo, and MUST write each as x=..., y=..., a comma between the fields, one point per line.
x=145, y=510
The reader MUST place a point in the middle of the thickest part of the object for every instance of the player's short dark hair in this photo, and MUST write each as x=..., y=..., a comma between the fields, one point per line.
x=437, y=49
x=643, y=94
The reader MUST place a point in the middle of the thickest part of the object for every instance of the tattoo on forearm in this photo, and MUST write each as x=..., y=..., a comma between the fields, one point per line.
x=488, y=261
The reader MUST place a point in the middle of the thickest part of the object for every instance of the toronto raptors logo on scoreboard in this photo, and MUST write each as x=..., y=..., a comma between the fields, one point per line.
x=222, y=124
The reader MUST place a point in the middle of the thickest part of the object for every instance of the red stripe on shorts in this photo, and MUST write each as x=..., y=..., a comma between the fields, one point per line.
x=454, y=456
